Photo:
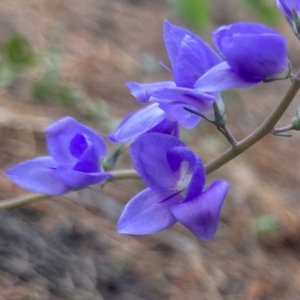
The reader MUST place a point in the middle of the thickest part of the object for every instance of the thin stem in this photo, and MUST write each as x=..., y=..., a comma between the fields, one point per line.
x=229, y=136
x=31, y=198
x=260, y=132
x=22, y=200
x=123, y=174
x=282, y=129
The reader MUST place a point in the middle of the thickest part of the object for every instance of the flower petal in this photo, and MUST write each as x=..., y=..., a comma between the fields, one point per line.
x=37, y=175
x=177, y=155
x=147, y=213
x=254, y=51
x=167, y=127
x=195, y=57
x=76, y=179
x=148, y=153
x=190, y=170
x=197, y=182
x=188, y=96
x=221, y=78
x=138, y=123
x=78, y=145
x=201, y=214
x=178, y=113
x=143, y=91
x=173, y=36
x=61, y=133
x=239, y=29
x=197, y=100
x=286, y=7
x=88, y=162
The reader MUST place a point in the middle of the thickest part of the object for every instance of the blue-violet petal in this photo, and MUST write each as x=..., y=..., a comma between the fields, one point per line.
x=201, y=214
x=148, y=153
x=37, y=175
x=60, y=135
x=147, y=213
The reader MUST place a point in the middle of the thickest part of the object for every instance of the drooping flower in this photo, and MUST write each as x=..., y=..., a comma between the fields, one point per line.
x=252, y=53
x=291, y=10
x=190, y=58
x=74, y=161
x=176, y=189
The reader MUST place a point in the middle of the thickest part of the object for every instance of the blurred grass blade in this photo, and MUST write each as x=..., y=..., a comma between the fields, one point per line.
x=196, y=13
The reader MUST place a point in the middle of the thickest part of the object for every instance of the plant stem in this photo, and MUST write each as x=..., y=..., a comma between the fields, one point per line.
x=124, y=174
x=282, y=129
x=229, y=136
x=31, y=198
x=260, y=132
x=22, y=200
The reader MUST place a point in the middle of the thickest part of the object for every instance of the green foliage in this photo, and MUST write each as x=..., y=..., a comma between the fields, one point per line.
x=46, y=90
x=49, y=87
x=196, y=13
x=16, y=56
x=266, y=12
x=18, y=52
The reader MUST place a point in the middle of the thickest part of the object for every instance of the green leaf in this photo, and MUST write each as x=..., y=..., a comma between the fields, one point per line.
x=196, y=13
x=18, y=52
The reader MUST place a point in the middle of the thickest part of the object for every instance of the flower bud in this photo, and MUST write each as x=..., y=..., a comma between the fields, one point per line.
x=291, y=10
x=109, y=162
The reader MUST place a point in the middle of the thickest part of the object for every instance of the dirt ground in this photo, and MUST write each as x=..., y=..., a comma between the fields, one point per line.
x=67, y=248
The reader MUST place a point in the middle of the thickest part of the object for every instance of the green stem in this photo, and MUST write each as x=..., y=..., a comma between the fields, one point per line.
x=260, y=132
x=31, y=198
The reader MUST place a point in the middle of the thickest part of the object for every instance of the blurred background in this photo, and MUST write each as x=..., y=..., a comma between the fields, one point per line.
x=72, y=57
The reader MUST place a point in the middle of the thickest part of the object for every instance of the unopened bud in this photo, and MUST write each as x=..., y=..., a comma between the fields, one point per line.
x=296, y=23
x=220, y=117
x=296, y=120
x=109, y=162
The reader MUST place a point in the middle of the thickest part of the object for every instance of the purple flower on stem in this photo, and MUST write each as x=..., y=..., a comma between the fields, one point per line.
x=252, y=53
x=74, y=161
x=291, y=10
x=176, y=178
x=190, y=58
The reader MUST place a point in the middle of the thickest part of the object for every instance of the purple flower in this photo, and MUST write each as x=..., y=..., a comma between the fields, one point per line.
x=75, y=152
x=190, y=58
x=148, y=119
x=291, y=10
x=175, y=177
x=252, y=53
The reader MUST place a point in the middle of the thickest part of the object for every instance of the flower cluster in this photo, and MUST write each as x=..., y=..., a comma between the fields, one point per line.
x=247, y=54
x=252, y=53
